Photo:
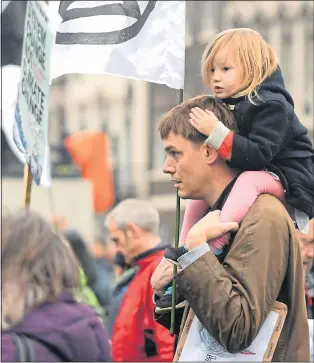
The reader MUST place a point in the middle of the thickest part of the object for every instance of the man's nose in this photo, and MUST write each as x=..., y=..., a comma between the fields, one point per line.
x=117, y=249
x=168, y=168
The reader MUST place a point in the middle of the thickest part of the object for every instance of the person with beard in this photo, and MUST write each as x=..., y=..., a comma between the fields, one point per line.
x=133, y=225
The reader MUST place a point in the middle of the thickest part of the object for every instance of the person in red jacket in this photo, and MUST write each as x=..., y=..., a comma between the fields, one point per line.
x=134, y=226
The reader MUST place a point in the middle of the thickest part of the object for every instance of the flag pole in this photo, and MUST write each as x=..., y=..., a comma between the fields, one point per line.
x=28, y=181
x=176, y=244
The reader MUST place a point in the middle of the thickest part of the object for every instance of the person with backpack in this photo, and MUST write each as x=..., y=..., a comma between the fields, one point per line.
x=41, y=318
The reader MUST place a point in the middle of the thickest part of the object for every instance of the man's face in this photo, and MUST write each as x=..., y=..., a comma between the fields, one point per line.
x=307, y=247
x=186, y=164
x=226, y=74
x=121, y=240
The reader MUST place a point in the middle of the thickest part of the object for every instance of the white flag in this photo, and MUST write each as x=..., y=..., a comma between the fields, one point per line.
x=134, y=39
x=4, y=4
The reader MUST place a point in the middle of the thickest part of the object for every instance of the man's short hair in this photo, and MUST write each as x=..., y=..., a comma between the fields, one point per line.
x=140, y=212
x=177, y=119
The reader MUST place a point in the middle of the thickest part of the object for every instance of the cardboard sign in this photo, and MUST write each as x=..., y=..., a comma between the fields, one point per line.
x=196, y=344
x=32, y=108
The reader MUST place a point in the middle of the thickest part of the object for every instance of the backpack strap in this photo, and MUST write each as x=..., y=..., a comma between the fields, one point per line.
x=25, y=348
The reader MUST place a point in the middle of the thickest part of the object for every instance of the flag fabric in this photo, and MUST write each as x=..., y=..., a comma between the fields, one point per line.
x=134, y=39
x=4, y=4
x=90, y=151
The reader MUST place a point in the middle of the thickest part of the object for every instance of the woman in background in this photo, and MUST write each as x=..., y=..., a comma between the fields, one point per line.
x=40, y=317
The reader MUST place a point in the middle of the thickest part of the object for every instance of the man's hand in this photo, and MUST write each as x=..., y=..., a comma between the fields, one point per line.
x=203, y=121
x=208, y=228
x=162, y=277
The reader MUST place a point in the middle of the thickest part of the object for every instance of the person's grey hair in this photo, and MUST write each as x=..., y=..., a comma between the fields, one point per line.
x=37, y=265
x=140, y=212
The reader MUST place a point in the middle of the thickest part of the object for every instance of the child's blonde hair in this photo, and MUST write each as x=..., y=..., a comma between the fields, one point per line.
x=257, y=58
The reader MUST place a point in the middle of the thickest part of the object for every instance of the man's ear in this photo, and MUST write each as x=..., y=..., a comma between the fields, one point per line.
x=211, y=154
x=133, y=230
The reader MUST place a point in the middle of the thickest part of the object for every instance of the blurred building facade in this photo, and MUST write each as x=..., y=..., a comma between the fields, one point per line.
x=128, y=110
x=107, y=103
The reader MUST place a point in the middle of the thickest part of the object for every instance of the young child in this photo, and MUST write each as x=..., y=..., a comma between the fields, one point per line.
x=271, y=148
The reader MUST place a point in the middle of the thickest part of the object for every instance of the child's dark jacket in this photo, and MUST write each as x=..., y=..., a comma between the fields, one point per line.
x=271, y=136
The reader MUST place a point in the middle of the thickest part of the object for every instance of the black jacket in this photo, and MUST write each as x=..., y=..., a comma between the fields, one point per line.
x=271, y=136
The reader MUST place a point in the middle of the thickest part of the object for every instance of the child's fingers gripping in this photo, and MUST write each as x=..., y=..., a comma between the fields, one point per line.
x=210, y=113
x=194, y=124
x=198, y=112
x=194, y=119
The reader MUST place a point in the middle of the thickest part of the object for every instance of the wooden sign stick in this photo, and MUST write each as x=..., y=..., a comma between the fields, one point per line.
x=28, y=181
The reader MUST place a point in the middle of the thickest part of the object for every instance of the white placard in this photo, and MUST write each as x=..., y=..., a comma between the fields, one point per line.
x=198, y=345
x=202, y=347
x=11, y=75
x=32, y=106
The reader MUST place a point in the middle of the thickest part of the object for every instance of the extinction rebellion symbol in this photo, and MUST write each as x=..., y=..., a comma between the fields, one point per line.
x=128, y=8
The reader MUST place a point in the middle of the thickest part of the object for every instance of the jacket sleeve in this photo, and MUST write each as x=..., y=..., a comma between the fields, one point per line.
x=164, y=319
x=128, y=329
x=233, y=300
x=164, y=341
x=8, y=349
x=269, y=131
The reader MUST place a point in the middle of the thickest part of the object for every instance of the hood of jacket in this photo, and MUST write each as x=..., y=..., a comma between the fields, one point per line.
x=73, y=330
x=275, y=84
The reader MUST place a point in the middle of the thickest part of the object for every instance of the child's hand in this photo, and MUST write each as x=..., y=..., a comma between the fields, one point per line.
x=203, y=121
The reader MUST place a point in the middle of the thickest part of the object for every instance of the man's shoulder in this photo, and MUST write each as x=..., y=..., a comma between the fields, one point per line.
x=269, y=208
x=266, y=225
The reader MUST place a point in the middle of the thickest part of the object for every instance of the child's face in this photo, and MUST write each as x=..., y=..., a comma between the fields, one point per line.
x=226, y=74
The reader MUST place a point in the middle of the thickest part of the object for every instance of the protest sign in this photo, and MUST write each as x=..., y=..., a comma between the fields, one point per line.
x=11, y=75
x=197, y=344
x=32, y=107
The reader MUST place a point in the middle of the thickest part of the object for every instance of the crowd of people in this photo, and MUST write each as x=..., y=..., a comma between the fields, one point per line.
x=245, y=162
